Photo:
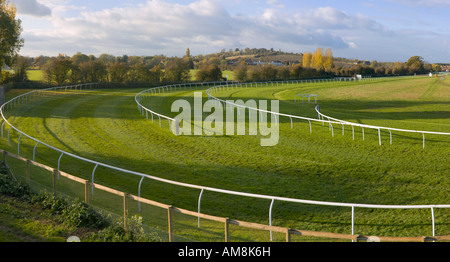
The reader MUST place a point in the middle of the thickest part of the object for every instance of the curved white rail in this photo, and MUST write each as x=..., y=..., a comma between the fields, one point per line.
x=161, y=89
x=28, y=96
x=423, y=132
x=321, y=117
x=330, y=121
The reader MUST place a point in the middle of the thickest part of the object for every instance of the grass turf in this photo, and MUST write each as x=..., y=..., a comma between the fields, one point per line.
x=105, y=125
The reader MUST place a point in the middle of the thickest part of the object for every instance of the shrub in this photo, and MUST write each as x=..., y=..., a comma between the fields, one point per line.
x=75, y=213
x=51, y=202
x=117, y=233
x=80, y=214
x=11, y=187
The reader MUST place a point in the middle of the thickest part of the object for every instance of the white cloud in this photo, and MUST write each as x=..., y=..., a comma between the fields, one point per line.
x=142, y=29
x=31, y=7
x=423, y=2
x=275, y=3
x=331, y=18
x=203, y=26
x=159, y=27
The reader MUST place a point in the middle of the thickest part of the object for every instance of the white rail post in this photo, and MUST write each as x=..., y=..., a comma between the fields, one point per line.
x=59, y=161
x=433, y=221
x=139, y=194
x=92, y=178
x=270, y=218
x=332, y=129
x=199, y=204
x=34, y=150
x=379, y=136
x=353, y=220
x=390, y=136
x=423, y=135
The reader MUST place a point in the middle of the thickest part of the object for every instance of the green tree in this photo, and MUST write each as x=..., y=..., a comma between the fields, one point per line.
x=118, y=72
x=139, y=73
x=177, y=70
x=93, y=71
x=79, y=58
x=399, y=69
x=20, y=69
x=240, y=72
x=436, y=68
x=255, y=73
x=57, y=71
x=209, y=73
x=156, y=74
x=284, y=73
x=268, y=72
x=75, y=73
x=296, y=72
x=107, y=59
x=415, y=64
x=10, y=30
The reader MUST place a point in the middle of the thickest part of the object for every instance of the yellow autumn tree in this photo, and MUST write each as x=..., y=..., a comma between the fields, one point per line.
x=317, y=59
x=328, y=61
x=307, y=59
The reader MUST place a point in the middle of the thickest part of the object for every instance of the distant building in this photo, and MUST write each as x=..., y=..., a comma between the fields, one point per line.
x=276, y=63
x=367, y=63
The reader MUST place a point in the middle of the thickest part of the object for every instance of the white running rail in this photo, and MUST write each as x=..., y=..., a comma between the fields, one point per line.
x=63, y=90
x=330, y=121
x=379, y=128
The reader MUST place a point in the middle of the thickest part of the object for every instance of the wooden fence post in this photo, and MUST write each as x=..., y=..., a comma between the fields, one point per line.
x=227, y=229
x=288, y=235
x=125, y=208
x=169, y=222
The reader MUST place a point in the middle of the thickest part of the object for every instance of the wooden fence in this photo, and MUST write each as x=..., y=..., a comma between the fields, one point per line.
x=226, y=221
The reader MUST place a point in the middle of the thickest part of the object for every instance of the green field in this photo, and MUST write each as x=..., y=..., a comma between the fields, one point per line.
x=105, y=125
x=35, y=75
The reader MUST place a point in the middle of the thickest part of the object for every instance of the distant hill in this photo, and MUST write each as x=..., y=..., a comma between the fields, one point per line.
x=257, y=54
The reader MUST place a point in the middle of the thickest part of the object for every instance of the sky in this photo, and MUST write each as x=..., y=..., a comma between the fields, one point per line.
x=382, y=30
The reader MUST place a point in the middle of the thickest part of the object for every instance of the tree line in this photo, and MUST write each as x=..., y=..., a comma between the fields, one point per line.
x=82, y=68
x=107, y=68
